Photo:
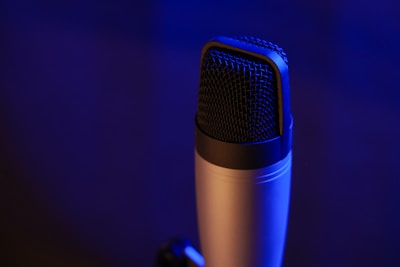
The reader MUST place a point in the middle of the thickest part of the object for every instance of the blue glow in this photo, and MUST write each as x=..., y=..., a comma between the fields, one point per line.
x=97, y=102
x=194, y=256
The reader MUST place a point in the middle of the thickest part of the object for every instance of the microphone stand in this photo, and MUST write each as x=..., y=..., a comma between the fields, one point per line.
x=178, y=252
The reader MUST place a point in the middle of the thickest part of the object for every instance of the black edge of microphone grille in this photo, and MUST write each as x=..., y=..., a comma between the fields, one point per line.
x=238, y=156
x=251, y=155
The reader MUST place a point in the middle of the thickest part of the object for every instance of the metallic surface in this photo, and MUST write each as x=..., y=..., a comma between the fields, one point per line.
x=242, y=213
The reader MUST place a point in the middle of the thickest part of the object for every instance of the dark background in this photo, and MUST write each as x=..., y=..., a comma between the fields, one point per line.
x=97, y=101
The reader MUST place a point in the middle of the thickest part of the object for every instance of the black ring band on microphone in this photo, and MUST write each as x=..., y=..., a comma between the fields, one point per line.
x=240, y=155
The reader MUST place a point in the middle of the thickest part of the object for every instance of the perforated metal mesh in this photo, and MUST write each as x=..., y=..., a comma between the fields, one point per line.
x=264, y=44
x=238, y=98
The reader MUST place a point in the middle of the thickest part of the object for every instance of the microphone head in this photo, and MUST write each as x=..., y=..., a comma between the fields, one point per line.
x=243, y=95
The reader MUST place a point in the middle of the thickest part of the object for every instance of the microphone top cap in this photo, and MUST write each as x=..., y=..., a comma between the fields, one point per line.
x=262, y=44
x=240, y=96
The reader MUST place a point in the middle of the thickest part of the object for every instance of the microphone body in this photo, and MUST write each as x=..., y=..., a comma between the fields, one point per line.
x=243, y=213
x=243, y=164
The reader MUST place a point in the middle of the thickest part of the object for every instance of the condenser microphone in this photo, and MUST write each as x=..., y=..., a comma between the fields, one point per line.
x=243, y=152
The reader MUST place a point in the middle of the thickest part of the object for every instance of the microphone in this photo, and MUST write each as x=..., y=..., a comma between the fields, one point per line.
x=243, y=152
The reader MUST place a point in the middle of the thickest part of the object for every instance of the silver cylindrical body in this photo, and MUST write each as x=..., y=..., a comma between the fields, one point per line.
x=242, y=214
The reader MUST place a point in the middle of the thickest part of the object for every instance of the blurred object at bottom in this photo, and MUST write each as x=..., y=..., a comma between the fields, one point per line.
x=178, y=252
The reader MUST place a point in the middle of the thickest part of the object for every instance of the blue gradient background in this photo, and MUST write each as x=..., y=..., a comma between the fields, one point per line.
x=97, y=101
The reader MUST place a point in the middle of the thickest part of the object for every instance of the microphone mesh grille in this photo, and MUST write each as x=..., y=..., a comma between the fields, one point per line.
x=264, y=44
x=238, y=98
